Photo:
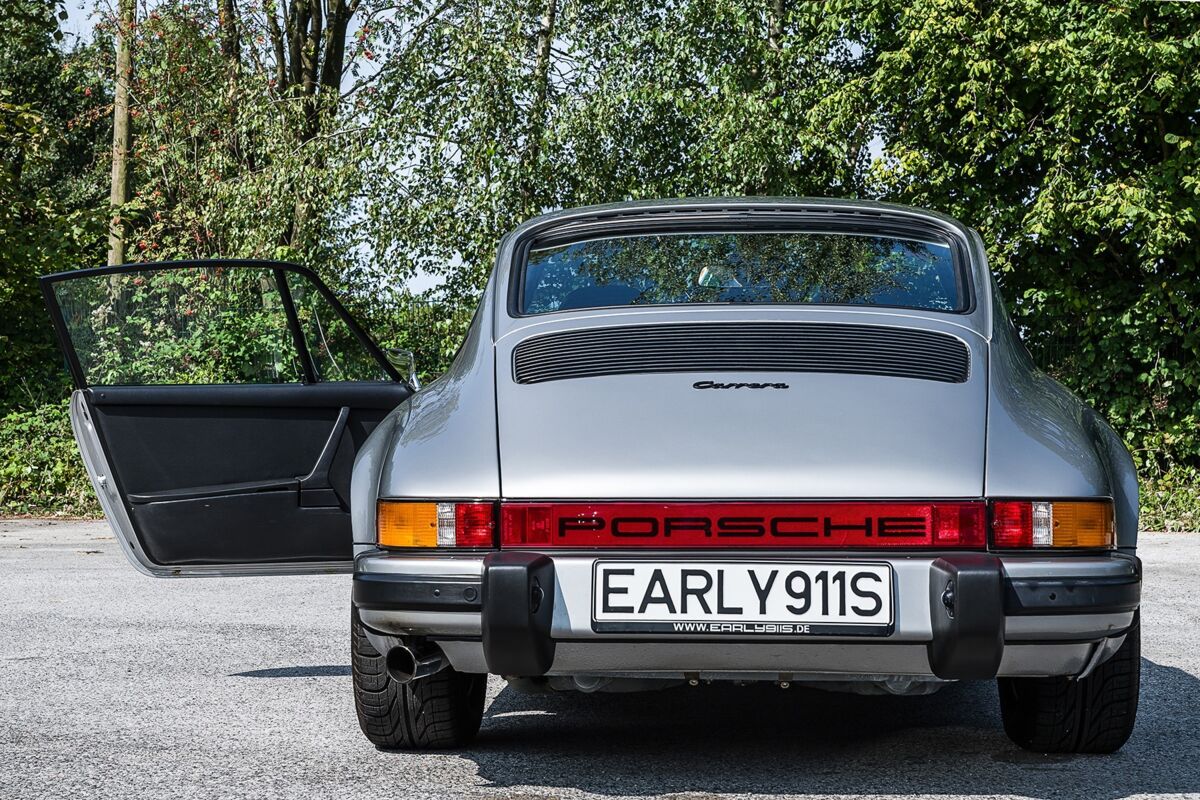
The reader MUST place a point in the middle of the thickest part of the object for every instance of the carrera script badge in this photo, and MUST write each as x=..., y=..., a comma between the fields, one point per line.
x=715, y=385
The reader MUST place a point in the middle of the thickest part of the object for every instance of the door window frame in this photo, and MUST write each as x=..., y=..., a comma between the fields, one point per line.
x=279, y=268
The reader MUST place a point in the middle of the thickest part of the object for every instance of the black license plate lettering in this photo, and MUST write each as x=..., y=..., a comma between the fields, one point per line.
x=865, y=586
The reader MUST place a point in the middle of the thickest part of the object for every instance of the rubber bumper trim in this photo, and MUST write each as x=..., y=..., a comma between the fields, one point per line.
x=1050, y=596
x=966, y=609
x=518, y=606
x=381, y=591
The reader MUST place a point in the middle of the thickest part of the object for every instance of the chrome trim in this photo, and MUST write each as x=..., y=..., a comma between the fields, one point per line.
x=1113, y=565
x=439, y=565
x=422, y=623
x=1051, y=627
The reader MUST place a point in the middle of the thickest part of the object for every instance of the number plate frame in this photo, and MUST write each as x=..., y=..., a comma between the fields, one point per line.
x=745, y=628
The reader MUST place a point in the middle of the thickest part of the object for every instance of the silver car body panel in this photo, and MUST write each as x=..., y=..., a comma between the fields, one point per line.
x=447, y=431
x=438, y=444
x=106, y=491
x=1043, y=441
x=827, y=436
x=774, y=661
x=1009, y=431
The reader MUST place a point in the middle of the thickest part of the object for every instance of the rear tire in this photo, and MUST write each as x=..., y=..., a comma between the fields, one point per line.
x=1061, y=715
x=443, y=710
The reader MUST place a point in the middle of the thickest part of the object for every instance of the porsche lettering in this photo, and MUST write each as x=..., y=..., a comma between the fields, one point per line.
x=749, y=527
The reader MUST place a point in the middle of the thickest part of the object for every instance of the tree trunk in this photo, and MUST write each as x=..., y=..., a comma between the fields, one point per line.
x=537, y=109
x=231, y=51
x=315, y=45
x=775, y=25
x=122, y=133
x=227, y=18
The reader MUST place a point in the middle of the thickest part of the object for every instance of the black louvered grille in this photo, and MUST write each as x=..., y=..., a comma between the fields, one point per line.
x=743, y=347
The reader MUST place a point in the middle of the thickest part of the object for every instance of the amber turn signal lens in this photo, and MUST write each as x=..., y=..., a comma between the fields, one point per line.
x=1082, y=524
x=404, y=524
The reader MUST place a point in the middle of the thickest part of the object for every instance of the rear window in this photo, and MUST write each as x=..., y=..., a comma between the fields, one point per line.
x=809, y=268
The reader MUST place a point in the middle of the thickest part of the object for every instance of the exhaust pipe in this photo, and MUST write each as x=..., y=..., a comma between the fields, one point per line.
x=406, y=664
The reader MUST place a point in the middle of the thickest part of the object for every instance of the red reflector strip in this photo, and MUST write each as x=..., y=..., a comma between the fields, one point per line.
x=743, y=525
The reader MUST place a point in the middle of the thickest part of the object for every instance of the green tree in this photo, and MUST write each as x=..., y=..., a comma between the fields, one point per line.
x=378, y=141
x=237, y=149
x=1066, y=133
x=495, y=112
x=50, y=216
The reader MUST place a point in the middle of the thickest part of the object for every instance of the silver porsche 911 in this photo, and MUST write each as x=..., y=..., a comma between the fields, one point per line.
x=789, y=441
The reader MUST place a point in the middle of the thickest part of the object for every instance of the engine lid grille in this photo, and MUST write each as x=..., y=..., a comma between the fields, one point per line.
x=743, y=347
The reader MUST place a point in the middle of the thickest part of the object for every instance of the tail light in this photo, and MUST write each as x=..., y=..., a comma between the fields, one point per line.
x=1052, y=524
x=1015, y=524
x=868, y=525
x=404, y=523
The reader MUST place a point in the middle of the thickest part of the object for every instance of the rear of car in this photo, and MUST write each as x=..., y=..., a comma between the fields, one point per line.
x=788, y=441
x=793, y=441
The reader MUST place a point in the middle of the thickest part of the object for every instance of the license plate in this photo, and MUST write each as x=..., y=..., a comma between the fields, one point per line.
x=742, y=598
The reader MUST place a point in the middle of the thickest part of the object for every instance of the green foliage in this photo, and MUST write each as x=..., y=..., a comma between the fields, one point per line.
x=431, y=328
x=221, y=163
x=1171, y=499
x=1064, y=131
x=40, y=469
x=198, y=325
x=226, y=323
x=50, y=217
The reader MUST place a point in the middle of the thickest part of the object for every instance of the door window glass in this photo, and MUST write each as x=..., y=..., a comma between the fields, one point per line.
x=336, y=353
x=185, y=325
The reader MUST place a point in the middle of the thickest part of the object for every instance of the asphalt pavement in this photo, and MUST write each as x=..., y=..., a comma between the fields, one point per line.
x=115, y=685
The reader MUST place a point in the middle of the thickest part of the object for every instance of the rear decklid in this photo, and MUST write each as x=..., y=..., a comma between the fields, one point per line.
x=745, y=404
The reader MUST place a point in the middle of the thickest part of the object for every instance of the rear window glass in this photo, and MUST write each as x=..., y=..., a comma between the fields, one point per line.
x=770, y=267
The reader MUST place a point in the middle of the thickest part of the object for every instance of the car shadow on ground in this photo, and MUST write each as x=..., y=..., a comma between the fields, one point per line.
x=767, y=740
x=318, y=671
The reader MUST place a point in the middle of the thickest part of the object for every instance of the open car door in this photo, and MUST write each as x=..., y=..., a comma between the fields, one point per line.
x=218, y=408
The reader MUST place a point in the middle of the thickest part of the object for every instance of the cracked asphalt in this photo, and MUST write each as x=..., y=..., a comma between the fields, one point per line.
x=115, y=685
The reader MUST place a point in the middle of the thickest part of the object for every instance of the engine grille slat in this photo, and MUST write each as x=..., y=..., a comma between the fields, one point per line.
x=743, y=347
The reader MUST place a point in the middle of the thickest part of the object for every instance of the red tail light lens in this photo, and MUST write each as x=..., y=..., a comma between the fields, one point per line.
x=1040, y=524
x=526, y=524
x=475, y=524
x=744, y=525
x=959, y=525
x=1012, y=524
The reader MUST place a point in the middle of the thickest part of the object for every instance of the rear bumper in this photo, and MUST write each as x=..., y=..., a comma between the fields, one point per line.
x=958, y=615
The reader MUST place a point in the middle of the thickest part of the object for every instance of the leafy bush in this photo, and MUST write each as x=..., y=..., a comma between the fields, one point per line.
x=1064, y=131
x=41, y=472
x=1171, y=500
